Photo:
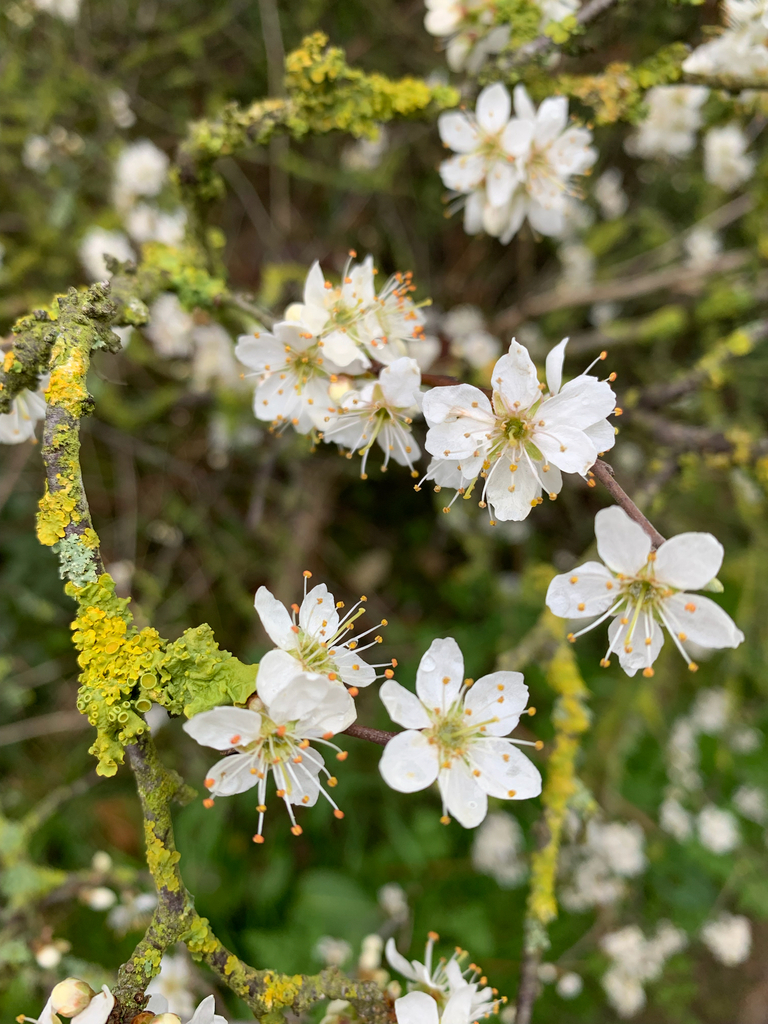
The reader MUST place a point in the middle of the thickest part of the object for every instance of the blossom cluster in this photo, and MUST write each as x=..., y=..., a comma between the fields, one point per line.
x=509, y=168
x=77, y=1001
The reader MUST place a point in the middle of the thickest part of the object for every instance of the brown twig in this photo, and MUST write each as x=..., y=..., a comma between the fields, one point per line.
x=619, y=290
x=604, y=473
x=362, y=732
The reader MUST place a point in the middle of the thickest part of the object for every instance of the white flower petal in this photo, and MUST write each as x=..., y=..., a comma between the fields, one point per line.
x=275, y=619
x=551, y=119
x=440, y=674
x=277, y=670
x=580, y=403
x=400, y=382
x=463, y=797
x=409, y=762
x=398, y=962
x=98, y=1010
x=500, y=183
x=554, y=367
x=473, y=213
x=334, y=713
x=641, y=654
x=568, y=448
x=547, y=220
x=314, y=287
x=402, y=706
x=493, y=108
x=588, y=590
x=622, y=544
x=707, y=624
x=458, y=1009
x=458, y=132
x=318, y=615
x=504, y=770
x=602, y=435
x=416, y=1008
x=342, y=350
x=352, y=669
x=516, y=137
x=499, y=695
x=524, y=107
x=688, y=561
x=463, y=173
x=224, y=727
x=206, y=1013
x=514, y=377
x=511, y=495
x=231, y=775
x=456, y=400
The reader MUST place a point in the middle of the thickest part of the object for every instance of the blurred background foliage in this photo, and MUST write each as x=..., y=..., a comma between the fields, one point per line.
x=197, y=506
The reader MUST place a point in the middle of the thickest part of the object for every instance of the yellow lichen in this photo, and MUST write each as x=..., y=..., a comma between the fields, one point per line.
x=280, y=990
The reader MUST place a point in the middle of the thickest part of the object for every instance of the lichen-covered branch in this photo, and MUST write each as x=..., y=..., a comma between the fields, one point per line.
x=571, y=720
x=322, y=94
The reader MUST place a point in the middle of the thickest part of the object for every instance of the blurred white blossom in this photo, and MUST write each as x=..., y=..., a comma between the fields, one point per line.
x=67, y=10
x=141, y=169
x=174, y=984
x=611, y=197
x=726, y=161
x=675, y=820
x=499, y=849
x=728, y=938
x=751, y=803
x=717, y=829
x=332, y=952
x=702, y=246
x=674, y=116
x=98, y=243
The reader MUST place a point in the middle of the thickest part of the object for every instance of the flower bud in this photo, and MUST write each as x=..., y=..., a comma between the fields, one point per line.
x=71, y=997
x=166, y=1018
x=144, y=1017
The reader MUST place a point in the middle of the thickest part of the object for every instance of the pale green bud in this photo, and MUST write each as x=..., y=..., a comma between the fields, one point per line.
x=71, y=997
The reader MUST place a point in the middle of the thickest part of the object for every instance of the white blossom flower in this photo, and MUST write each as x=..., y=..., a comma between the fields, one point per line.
x=625, y=994
x=578, y=262
x=394, y=901
x=36, y=154
x=468, y=31
x=314, y=642
x=365, y=154
x=99, y=898
x=740, y=51
x=489, y=145
x=332, y=952
x=171, y=988
x=120, y=108
x=718, y=829
x=76, y=1000
x=637, y=960
x=611, y=197
x=645, y=590
x=454, y=735
x=273, y=734
x=27, y=410
x=751, y=803
x=711, y=711
x=726, y=161
x=674, y=117
x=445, y=979
x=141, y=170
x=133, y=914
x=745, y=740
x=469, y=338
x=213, y=360
x=380, y=412
x=569, y=985
x=519, y=441
x=293, y=373
x=67, y=10
x=498, y=849
x=611, y=852
x=352, y=322
x=675, y=820
x=554, y=155
x=170, y=327
x=98, y=243
x=702, y=246
x=728, y=938
x=145, y=223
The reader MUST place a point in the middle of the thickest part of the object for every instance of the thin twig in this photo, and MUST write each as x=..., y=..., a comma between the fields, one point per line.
x=362, y=732
x=42, y=725
x=604, y=473
x=619, y=290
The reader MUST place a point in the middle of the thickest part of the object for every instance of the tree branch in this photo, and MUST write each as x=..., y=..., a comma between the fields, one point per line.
x=604, y=473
